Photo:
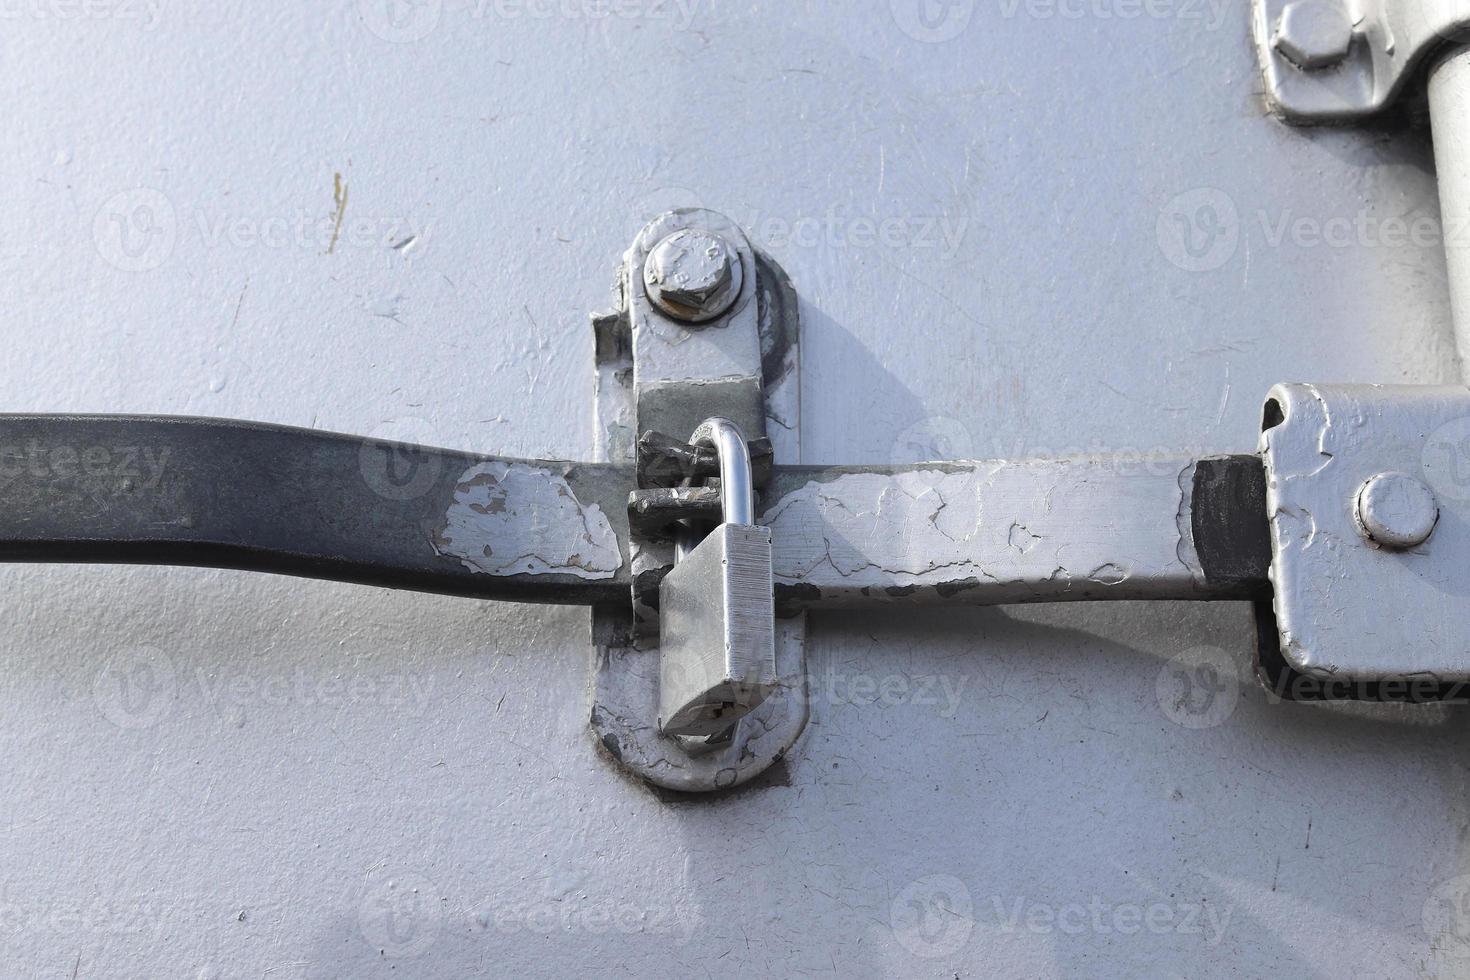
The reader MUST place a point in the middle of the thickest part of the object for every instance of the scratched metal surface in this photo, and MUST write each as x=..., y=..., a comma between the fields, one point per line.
x=1013, y=232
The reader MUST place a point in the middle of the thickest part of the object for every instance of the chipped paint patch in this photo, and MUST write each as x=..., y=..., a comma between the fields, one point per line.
x=520, y=519
x=1343, y=607
x=990, y=531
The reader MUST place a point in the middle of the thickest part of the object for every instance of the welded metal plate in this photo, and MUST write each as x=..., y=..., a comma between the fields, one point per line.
x=1345, y=607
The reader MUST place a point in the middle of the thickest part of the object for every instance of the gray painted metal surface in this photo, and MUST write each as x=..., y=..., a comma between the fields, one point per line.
x=1013, y=237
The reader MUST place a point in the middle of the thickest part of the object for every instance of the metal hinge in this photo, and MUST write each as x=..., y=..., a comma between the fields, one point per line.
x=1339, y=60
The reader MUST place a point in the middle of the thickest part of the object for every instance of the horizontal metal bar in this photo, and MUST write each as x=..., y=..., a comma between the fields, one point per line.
x=220, y=493
x=1034, y=531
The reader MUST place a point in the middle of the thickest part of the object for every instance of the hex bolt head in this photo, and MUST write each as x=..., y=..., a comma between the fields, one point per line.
x=693, y=276
x=1313, y=34
x=1396, y=511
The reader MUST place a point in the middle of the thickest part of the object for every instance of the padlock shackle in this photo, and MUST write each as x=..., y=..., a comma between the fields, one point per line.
x=737, y=481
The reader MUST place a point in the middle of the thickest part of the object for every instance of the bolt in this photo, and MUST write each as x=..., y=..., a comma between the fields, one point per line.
x=693, y=275
x=1313, y=34
x=1396, y=511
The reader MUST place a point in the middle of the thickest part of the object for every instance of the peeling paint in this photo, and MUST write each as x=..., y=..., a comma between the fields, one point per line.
x=1343, y=606
x=988, y=531
x=511, y=518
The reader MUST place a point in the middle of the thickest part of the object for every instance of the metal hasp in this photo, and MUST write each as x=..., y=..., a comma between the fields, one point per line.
x=1368, y=498
x=697, y=685
x=1333, y=61
x=1357, y=512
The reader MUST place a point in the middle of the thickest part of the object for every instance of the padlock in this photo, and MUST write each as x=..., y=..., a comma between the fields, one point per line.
x=717, y=613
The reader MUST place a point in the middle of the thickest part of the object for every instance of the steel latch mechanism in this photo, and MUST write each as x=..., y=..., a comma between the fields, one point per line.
x=1349, y=529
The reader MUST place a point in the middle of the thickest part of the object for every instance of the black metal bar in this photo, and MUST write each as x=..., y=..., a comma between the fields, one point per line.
x=230, y=494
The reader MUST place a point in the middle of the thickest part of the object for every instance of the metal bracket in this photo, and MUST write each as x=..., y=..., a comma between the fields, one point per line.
x=1368, y=497
x=1338, y=60
x=704, y=326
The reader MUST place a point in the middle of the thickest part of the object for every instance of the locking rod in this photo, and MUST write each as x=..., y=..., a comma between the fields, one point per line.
x=244, y=495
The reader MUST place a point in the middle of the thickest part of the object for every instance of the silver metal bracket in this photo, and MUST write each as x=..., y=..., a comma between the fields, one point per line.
x=1329, y=61
x=705, y=326
x=1368, y=498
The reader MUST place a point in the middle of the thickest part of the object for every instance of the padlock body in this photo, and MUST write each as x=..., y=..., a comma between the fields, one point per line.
x=717, y=626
